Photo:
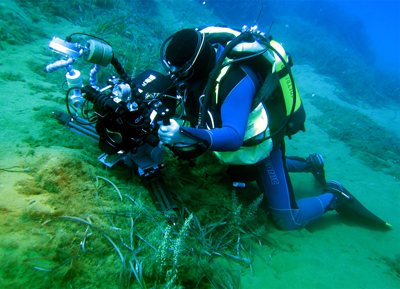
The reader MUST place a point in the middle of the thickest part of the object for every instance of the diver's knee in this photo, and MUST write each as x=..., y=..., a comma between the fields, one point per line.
x=286, y=224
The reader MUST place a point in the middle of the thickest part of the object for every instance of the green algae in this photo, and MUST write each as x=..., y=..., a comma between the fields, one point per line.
x=11, y=76
x=66, y=187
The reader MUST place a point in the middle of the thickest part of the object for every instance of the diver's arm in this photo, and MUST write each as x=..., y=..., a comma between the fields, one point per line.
x=234, y=114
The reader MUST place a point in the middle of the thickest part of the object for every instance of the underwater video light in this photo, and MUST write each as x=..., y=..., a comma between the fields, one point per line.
x=66, y=48
x=92, y=51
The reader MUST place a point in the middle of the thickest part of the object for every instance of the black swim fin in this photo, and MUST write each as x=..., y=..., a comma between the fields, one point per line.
x=348, y=205
x=314, y=164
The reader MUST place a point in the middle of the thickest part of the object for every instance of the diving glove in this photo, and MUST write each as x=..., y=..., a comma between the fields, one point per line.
x=171, y=134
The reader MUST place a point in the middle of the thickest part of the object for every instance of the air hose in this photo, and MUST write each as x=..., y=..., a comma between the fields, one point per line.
x=244, y=36
x=293, y=87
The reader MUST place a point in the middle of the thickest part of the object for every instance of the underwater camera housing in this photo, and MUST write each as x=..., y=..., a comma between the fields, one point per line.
x=123, y=116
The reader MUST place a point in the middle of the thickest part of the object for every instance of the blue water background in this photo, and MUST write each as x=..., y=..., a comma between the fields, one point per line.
x=369, y=28
x=381, y=20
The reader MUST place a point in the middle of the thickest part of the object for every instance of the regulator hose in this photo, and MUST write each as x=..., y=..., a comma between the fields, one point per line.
x=244, y=36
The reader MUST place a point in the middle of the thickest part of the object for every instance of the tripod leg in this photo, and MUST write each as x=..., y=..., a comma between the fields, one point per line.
x=161, y=196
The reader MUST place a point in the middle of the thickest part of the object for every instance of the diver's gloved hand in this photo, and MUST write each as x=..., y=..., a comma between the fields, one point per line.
x=170, y=134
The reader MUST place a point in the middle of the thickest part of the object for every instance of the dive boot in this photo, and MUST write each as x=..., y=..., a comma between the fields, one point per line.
x=315, y=165
x=346, y=204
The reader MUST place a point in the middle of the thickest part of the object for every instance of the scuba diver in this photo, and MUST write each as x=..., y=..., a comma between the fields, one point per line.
x=243, y=128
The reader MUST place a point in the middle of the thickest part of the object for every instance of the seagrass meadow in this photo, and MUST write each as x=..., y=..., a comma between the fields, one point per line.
x=67, y=221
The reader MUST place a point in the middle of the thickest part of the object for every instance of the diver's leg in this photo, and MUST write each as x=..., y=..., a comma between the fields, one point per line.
x=314, y=164
x=273, y=179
